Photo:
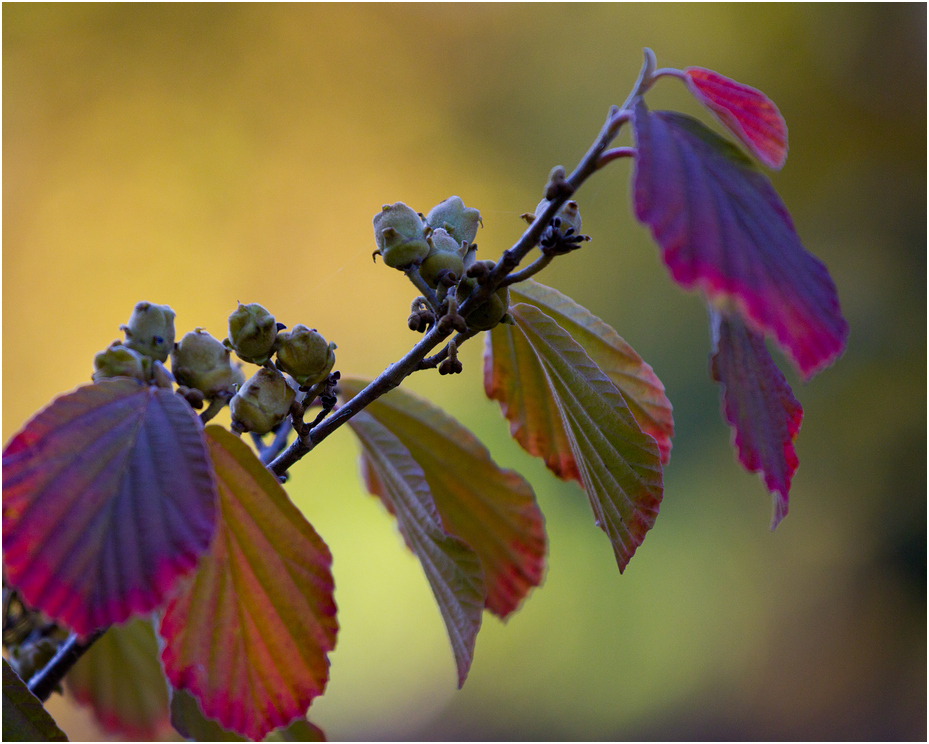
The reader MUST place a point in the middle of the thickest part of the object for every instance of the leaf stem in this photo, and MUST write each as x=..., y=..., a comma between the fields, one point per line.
x=44, y=682
x=534, y=268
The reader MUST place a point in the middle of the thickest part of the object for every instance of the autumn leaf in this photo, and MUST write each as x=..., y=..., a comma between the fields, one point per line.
x=249, y=636
x=108, y=500
x=618, y=465
x=493, y=510
x=723, y=229
x=636, y=381
x=758, y=404
x=748, y=113
x=452, y=568
x=121, y=680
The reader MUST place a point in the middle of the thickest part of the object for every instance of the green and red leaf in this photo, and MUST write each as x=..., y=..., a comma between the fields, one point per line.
x=570, y=399
x=747, y=112
x=758, y=404
x=24, y=716
x=121, y=680
x=108, y=500
x=250, y=633
x=723, y=229
x=493, y=510
x=452, y=568
x=636, y=381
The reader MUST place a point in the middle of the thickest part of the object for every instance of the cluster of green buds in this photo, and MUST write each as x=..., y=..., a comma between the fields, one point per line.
x=202, y=363
x=149, y=340
x=265, y=399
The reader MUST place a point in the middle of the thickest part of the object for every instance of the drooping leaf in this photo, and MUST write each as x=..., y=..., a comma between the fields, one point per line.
x=452, y=568
x=108, y=499
x=120, y=678
x=250, y=634
x=723, y=229
x=493, y=510
x=619, y=465
x=747, y=112
x=635, y=380
x=758, y=404
x=24, y=716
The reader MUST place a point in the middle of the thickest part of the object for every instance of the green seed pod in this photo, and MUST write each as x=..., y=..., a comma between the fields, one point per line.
x=452, y=215
x=400, y=234
x=489, y=313
x=118, y=360
x=305, y=355
x=150, y=330
x=252, y=333
x=201, y=362
x=444, y=255
x=262, y=402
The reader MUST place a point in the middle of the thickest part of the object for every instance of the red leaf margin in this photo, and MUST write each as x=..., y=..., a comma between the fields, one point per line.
x=747, y=112
x=758, y=404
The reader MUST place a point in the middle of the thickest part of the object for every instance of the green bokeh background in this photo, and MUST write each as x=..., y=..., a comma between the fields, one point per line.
x=197, y=155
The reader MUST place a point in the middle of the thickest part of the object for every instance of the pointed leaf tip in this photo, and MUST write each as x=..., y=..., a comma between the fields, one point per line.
x=758, y=404
x=723, y=229
x=108, y=499
x=250, y=634
x=748, y=113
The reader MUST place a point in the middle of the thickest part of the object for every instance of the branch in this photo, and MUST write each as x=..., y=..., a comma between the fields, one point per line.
x=558, y=191
x=44, y=682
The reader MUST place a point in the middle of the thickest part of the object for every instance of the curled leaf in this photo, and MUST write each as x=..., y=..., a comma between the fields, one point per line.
x=758, y=404
x=618, y=465
x=250, y=633
x=747, y=112
x=723, y=229
x=108, y=499
x=452, y=568
x=493, y=510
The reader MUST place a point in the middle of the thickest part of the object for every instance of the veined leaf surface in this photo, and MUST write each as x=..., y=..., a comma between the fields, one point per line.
x=249, y=636
x=747, y=112
x=120, y=678
x=723, y=229
x=108, y=499
x=758, y=404
x=619, y=465
x=636, y=381
x=452, y=568
x=493, y=510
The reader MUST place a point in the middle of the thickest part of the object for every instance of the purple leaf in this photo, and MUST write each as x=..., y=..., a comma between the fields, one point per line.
x=723, y=229
x=108, y=499
x=758, y=404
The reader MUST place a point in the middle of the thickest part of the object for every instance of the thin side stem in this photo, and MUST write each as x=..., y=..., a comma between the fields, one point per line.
x=43, y=683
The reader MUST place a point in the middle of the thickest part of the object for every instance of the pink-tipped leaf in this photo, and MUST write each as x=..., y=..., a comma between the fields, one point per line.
x=250, y=634
x=723, y=229
x=758, y=404
x=748, y=113
x=108, y=500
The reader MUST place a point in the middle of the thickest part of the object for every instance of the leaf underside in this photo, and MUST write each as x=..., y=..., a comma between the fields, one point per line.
x=747, y=112
x=249, y=635
x=492, y=509
x=568, y=399
x=120, y=678
x=452, y=568
x=108, y=499
x=758, y=404
x=24, y=717
x=723, y=229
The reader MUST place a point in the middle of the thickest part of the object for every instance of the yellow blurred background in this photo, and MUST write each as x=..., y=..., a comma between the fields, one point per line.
x=199, y=155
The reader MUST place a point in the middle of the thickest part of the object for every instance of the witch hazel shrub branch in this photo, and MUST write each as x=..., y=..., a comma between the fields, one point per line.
x=127, y=517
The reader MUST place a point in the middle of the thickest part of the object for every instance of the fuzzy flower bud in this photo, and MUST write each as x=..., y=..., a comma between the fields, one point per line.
x=252, y=333
x=445, y=254
x=118, y=360
x=304, y=355
x=150, y=330
x=569, y=217
x=262, y=402
x=453, y=216
x=489, y=313
x=400, y=234
x=201, y=362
